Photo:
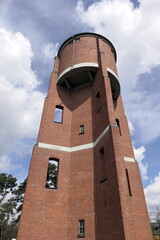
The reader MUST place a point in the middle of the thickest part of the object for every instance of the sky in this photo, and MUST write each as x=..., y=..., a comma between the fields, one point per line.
x=31, y=33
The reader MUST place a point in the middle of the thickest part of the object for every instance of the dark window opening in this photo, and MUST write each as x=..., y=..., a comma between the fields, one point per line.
x=105, y=179
x=102, y=150
x=52, y=173
x=81, y=231
x=98, y=102
x=102, y=164
x=81, y=129
x=98, y=95
x=58, y=114
x=118, y=125
x=129, y=187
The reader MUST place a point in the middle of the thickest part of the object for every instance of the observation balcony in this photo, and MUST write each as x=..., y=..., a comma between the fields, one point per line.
x=78, y=75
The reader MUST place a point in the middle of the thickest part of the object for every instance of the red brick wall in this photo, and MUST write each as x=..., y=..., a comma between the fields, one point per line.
x=44, y=212
x=84, y=50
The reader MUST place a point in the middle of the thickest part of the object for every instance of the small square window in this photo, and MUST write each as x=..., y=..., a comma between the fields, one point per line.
x=81, y=129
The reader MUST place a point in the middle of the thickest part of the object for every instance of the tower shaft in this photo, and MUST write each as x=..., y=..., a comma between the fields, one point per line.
x=84, y=181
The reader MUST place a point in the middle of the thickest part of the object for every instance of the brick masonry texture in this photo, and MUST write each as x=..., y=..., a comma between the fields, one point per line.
x=104, y=204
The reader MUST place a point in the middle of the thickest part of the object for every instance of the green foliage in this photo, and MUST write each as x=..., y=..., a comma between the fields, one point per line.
x=7, y=184
x=8, y=230
x=155, y=225
x=19, y=196
x=11, y=200
x=51, y=181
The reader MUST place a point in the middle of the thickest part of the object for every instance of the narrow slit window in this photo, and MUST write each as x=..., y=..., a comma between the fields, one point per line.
x=81, y=129
x=102, y=164
x=118, y=125
x=81, y=231
x=98, y=102
x=129, y=186
x=58, y=114
x=52, y=173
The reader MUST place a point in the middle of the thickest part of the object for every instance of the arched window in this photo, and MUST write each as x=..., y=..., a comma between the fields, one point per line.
x=52, y=173
x=58, y=114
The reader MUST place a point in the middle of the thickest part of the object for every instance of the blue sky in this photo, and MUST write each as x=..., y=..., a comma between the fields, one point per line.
x=30, y=34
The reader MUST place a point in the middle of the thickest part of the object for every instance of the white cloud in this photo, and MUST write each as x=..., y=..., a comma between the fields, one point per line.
x=6, y=165
x=140, y=155
x=135, y=35
x=16, y=65
x=132, y=30
x=20, y=101
x=49, y=51
x=152, y=193
x=131, y=127
x=144, y=110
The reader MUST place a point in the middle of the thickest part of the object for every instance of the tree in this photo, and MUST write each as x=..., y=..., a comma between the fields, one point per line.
x=157, y=215
x=155, y=223
x=7, y=185
x=11, y=200
x=19, y=197
x=7, y=205
x=51, y=181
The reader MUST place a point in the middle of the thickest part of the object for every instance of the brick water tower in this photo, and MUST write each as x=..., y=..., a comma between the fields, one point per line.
x=84, y=181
